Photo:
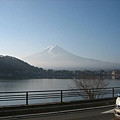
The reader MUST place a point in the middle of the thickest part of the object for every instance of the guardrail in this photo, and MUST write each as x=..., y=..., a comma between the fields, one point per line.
x=34, y=97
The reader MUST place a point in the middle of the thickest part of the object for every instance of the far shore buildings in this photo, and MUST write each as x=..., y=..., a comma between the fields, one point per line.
x=116, y=72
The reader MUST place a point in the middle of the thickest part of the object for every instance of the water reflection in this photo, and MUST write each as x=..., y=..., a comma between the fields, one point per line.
x=116, y=77
x=44, y=84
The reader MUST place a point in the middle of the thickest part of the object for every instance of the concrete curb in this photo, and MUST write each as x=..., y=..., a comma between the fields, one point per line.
x=51, y=107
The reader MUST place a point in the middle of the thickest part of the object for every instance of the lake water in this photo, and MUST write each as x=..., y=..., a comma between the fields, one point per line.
x=43, y=84
x=40, y=85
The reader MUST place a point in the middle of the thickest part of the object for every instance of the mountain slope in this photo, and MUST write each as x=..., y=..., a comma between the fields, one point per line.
x=11, y=67
x=8, y=63
x=54, y=57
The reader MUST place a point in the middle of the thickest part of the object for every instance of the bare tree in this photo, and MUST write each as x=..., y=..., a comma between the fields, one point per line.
x=91, y=88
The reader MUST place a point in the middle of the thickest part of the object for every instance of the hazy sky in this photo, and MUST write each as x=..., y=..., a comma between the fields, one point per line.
x=87, y=28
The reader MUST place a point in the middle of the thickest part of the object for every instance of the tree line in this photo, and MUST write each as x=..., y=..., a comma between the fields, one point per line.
x=51, y=74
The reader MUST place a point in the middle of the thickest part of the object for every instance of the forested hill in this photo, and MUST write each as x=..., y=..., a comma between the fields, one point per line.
x=11, y=67
x=14, y=68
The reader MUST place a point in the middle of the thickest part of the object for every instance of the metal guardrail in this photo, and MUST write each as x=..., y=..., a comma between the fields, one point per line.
x=56, y=95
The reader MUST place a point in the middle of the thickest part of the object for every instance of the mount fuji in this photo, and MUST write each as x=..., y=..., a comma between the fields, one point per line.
x=55, y=57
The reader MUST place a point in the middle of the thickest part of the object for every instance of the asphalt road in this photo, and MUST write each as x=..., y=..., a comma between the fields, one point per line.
x=96, y=113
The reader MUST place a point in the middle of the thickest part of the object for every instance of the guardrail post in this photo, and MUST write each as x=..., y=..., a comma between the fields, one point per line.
x=61, y=96
x=26, y=98
x=113, y=92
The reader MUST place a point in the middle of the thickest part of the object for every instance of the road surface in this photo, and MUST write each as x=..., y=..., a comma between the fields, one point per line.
x=96, y=113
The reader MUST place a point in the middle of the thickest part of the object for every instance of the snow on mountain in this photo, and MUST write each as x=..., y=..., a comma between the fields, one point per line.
x=54, y=57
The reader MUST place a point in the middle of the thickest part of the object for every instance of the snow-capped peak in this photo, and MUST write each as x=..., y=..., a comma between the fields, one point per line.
x=54, y=50
x=56, y=57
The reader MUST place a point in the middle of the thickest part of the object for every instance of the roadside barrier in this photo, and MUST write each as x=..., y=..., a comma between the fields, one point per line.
x=50, y=96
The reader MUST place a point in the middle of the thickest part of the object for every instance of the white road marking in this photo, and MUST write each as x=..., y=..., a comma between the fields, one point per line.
x=109, y=111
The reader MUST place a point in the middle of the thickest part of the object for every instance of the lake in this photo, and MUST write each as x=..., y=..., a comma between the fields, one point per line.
x=43, y=84
x=40, y=85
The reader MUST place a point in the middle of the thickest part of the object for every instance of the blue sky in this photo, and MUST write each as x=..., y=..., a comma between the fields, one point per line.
x=87, y=28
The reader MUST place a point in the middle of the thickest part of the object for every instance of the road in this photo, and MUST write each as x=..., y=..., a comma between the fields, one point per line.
x=96, y=113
